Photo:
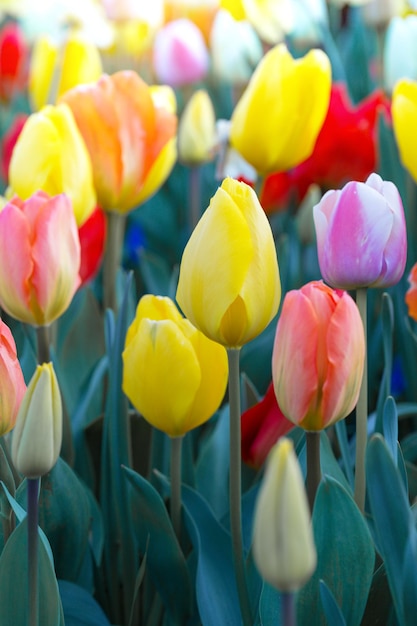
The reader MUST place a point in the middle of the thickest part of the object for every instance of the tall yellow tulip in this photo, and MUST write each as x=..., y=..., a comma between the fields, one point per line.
x=229, y=285
x=277, y=120
x=404, y=119
x=173, y=375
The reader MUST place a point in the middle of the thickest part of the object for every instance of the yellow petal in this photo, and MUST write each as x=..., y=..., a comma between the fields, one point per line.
x=404, y=118
x=81, y=64
x=154, y=308
x=43, y=62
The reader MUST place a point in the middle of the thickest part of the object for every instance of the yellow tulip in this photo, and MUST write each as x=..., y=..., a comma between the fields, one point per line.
x=197, y=130
x=283, y=544
x=173, y=375
x=77, y=63
x=50, y=155
x=229, y=285
x=277, y=120
x=404, y=119
x=37, y=436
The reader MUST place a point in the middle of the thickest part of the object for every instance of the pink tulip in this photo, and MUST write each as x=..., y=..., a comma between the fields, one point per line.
x=12, y=383
x=39, y=257
x=180, y=55
x=361, y=235
x=318, y=356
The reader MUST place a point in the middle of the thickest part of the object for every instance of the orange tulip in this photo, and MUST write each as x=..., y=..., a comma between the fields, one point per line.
x=318, y=356
x=411, y=295
x=131, y=138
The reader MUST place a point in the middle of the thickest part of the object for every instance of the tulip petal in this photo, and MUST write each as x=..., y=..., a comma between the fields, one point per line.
x=404, y=118
x=154, y=308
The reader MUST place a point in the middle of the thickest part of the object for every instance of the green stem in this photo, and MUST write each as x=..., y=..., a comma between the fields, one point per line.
x=235, y=486
x=33, y=567
x=288, y=609
x=112, y=258
x=362, y=412
x=44, y=354
x=313, y=465
x=175, y=503
x=195, y=195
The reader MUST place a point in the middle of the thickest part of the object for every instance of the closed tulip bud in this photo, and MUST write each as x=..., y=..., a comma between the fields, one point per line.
x=12, y=384
x=173, y=375
x=37, y=285
x=180, y=54
x=400, y=50
x=404, y=120
x=229, y=285
x=283, y=543
x=76, y=62
x=361, y=235
x=120, y=113
x=197, y=130
x=50, y=155
x=37, y=436
x=318, y=356
x=277, y=120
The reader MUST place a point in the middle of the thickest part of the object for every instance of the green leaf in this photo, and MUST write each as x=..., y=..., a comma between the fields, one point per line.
x=409, y=579
x=80, y=608
x=390, y=426
x=165, y=561
x=391, y=515
x=345, y=556
x=14, y=586
x=269, y=605
x=332, y=611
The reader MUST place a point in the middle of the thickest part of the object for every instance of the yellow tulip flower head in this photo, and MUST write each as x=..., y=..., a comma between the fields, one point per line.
x=277, y=120
x=404, y=120
x=283, y=543
x=173, y=375
x=197, y=130
x=229, y=285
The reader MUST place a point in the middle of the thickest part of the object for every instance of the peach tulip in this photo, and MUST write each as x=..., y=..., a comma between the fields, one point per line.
x=131, y=138
x=318, y=356
x=12, y=383
x=39, y=257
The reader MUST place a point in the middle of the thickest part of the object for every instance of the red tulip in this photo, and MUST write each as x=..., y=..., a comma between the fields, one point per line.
x=92, y=239
x=346, y=149
x=9, y=140
x=411, y=295
x=262, y=425
x=14, y=55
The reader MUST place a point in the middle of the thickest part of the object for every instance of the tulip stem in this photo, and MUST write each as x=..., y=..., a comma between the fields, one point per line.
x=42, y=335
x=313, y=465
x=288, y=609
x=112, y=258
x=362, y=412
x=175, y=504
x=235, y=485
x=195, y=195
x=33, y=567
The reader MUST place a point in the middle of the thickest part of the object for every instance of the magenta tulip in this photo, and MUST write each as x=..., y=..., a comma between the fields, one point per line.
x=361, y=235
x=12, y=383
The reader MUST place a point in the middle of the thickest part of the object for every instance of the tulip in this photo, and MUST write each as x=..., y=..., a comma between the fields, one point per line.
x=283, y=543
x=201, y=13
x=229, y=285
x=404, y=119
x=318, y=356
x=131, y=140
x=50, y=155
x=361, y=235
x=12, y=384
x=400, y=50
x=173, y=375
x=411, y=294
x=37, y=285
x=37, y=436
x=277, y=120
x=262, y=425
x=235, y=48
x=197, y=130
x=77, y=63
x=9, y=140
x=180, y=54
x=14, y=54
x=272, y=19
x=92, y=236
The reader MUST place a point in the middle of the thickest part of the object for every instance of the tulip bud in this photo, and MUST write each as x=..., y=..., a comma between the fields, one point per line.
x=50, y=155
x=361, y=235
x=275, y=123
x=197, y=130
x=12, y=383
x=37, y=436
x=318, y=356
x=171, y=398
x=404, y=121
x=229, y=285
x=400, y=50
x=283, y=543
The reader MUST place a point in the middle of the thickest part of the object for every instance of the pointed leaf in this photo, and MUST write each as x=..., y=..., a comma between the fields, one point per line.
x=80, y=608
x=332, y=611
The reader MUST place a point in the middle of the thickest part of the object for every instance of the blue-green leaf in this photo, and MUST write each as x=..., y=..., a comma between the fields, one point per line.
x=332, y=611
x=80, y=608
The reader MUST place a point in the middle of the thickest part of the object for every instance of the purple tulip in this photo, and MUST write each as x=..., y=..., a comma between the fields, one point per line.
x=361, y=235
